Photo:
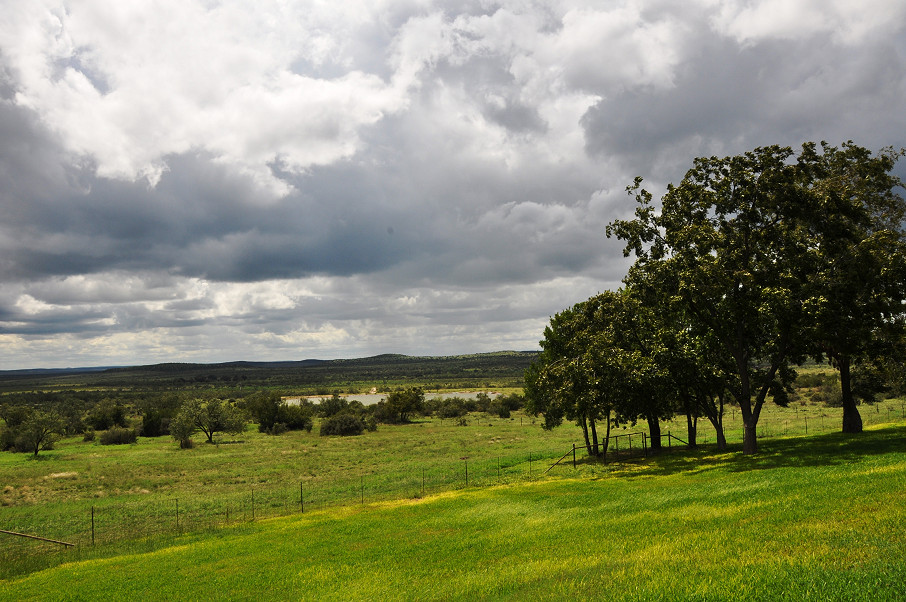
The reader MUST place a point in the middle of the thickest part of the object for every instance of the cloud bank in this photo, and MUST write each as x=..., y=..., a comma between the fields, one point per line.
x=198, y=181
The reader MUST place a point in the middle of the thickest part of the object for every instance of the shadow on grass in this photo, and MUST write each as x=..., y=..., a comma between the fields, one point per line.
x=827, y=449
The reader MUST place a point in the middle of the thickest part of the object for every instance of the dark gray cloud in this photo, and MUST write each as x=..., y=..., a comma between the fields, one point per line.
x=727, y=99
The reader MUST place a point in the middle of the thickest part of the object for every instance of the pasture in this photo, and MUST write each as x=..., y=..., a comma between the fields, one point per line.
x=809, y=518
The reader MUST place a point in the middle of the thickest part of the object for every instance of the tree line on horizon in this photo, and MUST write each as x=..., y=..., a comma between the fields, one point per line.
x=750, y=266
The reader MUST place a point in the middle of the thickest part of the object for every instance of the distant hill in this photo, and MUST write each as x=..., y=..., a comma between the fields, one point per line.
x=502, y=368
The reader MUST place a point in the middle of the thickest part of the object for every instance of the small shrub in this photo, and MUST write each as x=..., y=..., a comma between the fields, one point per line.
x=278, y=429
x=452, y=407
x=89, y=435
x=343, y=425
x=118, y=436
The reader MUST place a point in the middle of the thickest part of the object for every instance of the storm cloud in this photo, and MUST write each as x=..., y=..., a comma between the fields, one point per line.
x=188, y=181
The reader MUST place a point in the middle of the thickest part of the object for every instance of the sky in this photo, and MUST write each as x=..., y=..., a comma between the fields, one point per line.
x=218, y=180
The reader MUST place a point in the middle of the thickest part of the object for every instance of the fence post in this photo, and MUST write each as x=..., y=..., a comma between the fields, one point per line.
x=362, y=487
x=466, y=462
x=423, y=480
x=669, y=440
x=530, y=464
x=645, y=443
x=92, y=525
x=177, y=514
x=301, y=499
x=253, y=503
x=574, y=455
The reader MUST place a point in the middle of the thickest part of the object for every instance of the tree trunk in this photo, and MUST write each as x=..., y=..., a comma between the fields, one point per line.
x=606, y=443
x=749, y=437
x=654, y=428
x=594, y=437
x=852, y=420
x=584, y=426
x=691, y=425
x=715, y=415
x=721, y=439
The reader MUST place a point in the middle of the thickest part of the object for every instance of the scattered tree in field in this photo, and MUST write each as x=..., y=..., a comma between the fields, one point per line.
x=118, y=436
x=694, y=368
x=106, y=414
x=182, y=427
x=400, y=405
x=330, y=406
x=208, y=416
x=39, y=431
x=274, y=415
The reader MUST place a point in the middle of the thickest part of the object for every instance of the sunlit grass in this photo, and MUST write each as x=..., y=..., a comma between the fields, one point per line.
x=144, y=495
x=818, y=518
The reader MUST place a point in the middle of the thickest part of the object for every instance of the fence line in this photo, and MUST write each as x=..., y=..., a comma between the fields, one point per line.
x=105, y=523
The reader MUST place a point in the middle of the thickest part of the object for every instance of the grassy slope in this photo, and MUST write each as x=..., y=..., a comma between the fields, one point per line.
x=809, y=518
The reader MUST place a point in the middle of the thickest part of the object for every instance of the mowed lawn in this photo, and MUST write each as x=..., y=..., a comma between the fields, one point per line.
x=810, y=518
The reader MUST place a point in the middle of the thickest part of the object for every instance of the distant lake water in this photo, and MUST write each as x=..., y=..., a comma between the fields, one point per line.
x=372, y=398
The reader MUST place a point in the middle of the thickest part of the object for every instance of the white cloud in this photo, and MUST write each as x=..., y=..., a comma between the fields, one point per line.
x=849, y=22
x=131, y=83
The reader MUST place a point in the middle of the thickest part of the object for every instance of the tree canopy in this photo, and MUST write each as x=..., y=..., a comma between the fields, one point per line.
x=748, y=266
x=208, y=416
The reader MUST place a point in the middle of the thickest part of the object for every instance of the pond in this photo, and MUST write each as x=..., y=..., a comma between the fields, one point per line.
x=372, y=398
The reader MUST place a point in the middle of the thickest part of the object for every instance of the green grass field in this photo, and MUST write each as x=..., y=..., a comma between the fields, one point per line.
x=810, y=518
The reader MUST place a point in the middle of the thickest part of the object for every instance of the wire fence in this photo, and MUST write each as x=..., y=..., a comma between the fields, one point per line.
x=150, y=518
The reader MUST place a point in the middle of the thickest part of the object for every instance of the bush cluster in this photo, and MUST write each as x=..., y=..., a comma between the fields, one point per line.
x=343, y=424
x=118, y=436
x=457, y=407
x=275, y=417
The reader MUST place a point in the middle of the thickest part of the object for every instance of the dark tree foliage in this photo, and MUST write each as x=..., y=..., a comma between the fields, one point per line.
x=106, y=414
x=153, y=423
x=774, y=258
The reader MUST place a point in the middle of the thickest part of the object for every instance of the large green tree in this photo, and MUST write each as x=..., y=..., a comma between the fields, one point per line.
x=601, y=360
x=860, y=282
x=733, y=235
x=565, y=381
